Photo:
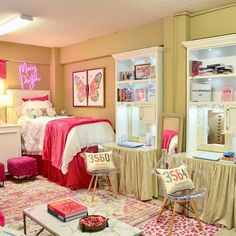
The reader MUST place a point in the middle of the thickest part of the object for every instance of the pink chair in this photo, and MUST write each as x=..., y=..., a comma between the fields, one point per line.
x=2, y=219
x=2, y=174
x=22, y=167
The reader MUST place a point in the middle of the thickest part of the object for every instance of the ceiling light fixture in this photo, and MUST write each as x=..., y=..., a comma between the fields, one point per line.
x=15, y=23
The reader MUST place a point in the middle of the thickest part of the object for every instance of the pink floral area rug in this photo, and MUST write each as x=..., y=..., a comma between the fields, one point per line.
x=16, y=197
x=183, y=226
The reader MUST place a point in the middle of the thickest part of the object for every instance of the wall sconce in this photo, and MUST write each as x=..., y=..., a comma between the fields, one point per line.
x=6, y=101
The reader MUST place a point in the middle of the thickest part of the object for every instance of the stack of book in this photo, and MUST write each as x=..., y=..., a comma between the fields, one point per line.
x=140, y=94
x=67, y=209
x=124, y=95
x=229, y=156
x=216, y=69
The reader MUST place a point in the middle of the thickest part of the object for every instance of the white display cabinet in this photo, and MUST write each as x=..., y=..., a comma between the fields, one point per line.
x=138, y=94
x=211, y=94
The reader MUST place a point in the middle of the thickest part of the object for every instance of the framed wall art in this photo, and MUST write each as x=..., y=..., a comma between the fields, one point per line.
x=80, y=91
x=142, y=71
x=96, y=84
x=88, y=88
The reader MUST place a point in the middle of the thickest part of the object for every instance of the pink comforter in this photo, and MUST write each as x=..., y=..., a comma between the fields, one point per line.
x=56, y=134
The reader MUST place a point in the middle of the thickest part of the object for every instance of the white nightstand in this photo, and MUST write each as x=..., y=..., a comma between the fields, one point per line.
x=10, y=142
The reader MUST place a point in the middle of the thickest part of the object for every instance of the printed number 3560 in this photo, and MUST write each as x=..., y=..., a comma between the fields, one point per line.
x=99, y=157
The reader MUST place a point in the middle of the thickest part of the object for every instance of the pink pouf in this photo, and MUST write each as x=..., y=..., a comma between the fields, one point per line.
x=22, y=166
x=2, y=219
x=2, y=174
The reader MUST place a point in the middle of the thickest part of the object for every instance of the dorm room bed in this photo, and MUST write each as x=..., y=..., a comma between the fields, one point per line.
x=57, y=141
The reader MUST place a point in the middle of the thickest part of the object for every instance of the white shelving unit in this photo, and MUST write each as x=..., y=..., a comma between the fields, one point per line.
x=138, y=94
x=211, y=114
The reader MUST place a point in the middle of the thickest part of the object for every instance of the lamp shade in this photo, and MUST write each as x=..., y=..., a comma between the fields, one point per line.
x=6, y=100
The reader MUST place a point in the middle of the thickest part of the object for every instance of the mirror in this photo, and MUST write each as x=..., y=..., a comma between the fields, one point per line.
x=170, y=134
x=215, y=127
x=210, y=130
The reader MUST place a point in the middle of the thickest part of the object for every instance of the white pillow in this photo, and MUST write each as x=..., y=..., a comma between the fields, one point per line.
x=99, y=161
x=26, y=106
x=34, y=113
x=176, y=179
x=51, y=112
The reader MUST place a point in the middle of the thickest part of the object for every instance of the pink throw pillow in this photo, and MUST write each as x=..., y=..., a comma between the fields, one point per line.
x=43, y=98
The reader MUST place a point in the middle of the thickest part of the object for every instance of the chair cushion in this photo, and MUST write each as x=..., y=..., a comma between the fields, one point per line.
x=99, y=161
x=21, y=166
x=176, y=179
x=2, y=172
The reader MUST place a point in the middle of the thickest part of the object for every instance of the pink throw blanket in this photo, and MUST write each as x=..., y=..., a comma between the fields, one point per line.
x=56, y=134
x=167, y=135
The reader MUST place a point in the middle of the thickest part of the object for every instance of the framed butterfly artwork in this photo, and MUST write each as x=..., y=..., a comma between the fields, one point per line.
x=80, y=91
x=88, y=88
x=96, y=84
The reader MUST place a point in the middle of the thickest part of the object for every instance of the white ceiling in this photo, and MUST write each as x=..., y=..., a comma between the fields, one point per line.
x=59, y=23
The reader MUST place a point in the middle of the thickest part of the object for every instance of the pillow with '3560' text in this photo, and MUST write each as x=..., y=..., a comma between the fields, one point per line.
x=99, y=161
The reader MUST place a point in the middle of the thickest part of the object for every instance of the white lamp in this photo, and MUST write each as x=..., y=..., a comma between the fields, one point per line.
x=15, y=23
x=5, y=101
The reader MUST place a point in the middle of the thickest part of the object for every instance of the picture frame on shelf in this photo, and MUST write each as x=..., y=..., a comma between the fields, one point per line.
x=96, y=87
x=127, y=75
x=142, y=71
x=80, y=92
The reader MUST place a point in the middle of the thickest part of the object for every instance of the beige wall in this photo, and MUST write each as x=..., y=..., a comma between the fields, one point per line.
x=139, y=37
x=170, y=32
x=108, y=111
x=56, y=80
x=96, y=53
x=15, y=54
x=13, y=76
x=215, y=22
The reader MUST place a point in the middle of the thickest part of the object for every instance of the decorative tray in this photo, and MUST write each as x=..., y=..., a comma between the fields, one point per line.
x=93, y=223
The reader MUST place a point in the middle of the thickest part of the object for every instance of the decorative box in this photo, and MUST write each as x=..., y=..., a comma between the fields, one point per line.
x=227, y=94
x=201, y=92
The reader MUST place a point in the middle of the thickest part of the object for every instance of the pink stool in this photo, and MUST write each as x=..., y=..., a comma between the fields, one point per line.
x=2, y=174
x=2, y=219
x=22, y=166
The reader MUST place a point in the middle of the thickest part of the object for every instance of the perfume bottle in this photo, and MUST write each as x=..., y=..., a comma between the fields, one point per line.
x=148, y=138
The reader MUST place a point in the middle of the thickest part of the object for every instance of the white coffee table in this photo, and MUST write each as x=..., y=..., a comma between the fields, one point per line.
x=4, y=231
x=40, y=215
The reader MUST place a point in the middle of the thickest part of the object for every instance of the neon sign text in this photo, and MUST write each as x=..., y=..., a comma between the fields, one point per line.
x=28, y=75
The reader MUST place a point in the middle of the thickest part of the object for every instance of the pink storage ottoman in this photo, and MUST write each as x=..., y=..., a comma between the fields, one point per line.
x=2, y=219
x=2, y=174
x=22, y=166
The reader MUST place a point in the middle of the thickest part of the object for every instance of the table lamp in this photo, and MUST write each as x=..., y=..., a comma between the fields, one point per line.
x=5, y=101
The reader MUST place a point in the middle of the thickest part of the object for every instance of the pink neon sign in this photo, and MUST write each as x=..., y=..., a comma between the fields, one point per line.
x=28, y=75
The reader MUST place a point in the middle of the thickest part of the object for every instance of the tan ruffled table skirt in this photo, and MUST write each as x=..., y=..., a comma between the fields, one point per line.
x=135, y=178
x=220, y=204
